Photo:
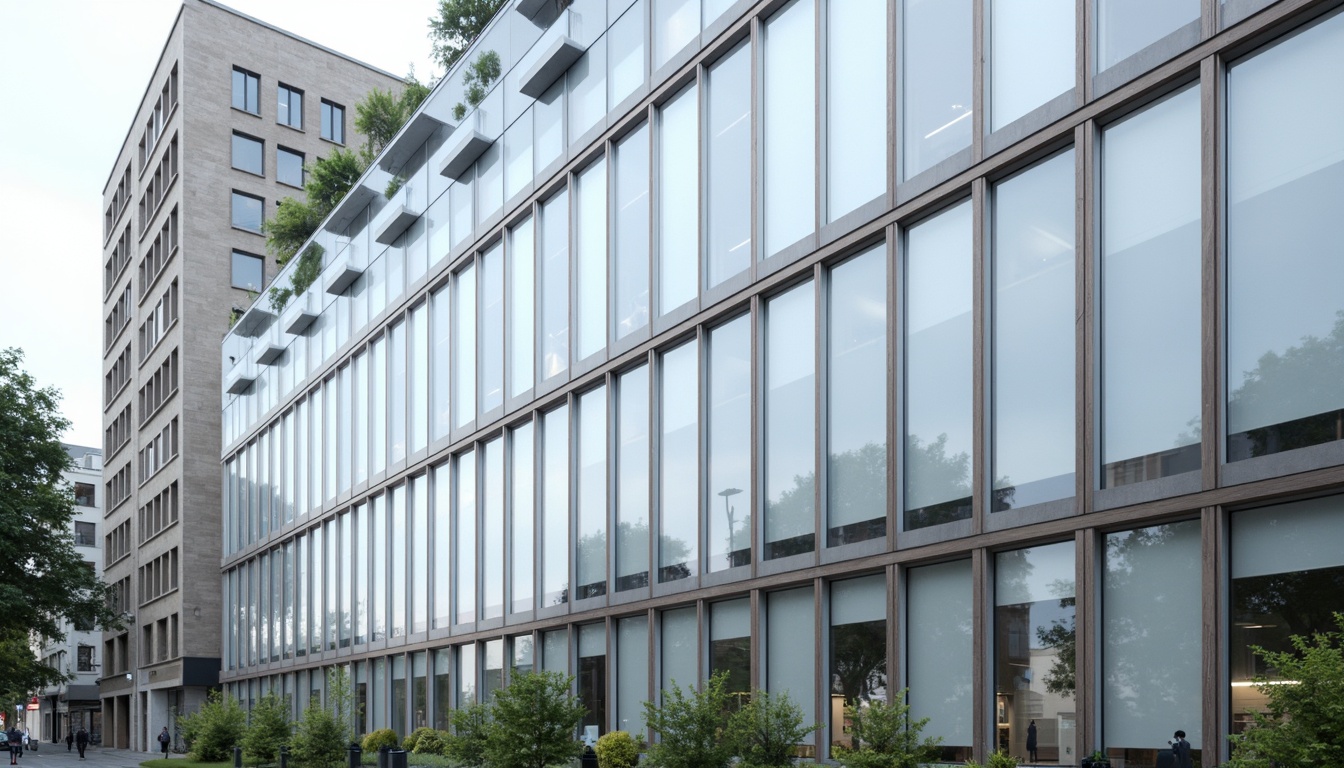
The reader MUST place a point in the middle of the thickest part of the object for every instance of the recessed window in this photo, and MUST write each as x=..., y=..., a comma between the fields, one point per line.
x=247, y=271
x=247, y=153
x=289, y=107
x=86, y=534
x=84, y=494
x=333, y=122
x=289, y=167
x=245, y=87
x=247, y=212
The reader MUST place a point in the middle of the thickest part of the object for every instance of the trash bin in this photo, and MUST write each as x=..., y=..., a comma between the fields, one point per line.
x=589, y=759
x=1166, y=758
x=382, y=756
x=396, y=758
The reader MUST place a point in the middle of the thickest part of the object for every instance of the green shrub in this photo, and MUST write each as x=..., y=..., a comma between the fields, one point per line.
x=471, y=727
x=323, y=733
x=688, y=724
x=383, y=737
x=767, y=731
x=997, y=759
x=617, y=749
x=886, y=737
x=211, y=732
x=411, y=740
x=534, y=721
x=431, y=743
x=270, y=728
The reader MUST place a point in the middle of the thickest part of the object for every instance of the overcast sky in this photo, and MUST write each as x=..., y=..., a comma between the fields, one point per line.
x=72, y=73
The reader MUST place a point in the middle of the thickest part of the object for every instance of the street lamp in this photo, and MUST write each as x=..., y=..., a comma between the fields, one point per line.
x=726, y=493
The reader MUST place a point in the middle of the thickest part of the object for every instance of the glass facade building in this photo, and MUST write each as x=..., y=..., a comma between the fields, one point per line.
x=987, y=349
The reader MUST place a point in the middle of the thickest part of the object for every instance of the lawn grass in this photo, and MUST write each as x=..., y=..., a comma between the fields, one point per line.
x=183, y=763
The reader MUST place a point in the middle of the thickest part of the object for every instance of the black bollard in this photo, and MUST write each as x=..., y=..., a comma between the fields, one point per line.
x=382, y=756
x=397, y=758
x=237, y=757
x=354, y=753
x=284, y=756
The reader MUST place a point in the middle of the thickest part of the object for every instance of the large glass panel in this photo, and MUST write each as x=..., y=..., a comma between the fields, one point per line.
x=419, y=691
x=1285, y=314
x=522, y=655
x=440, y=368
x=790, y=424
x=378, y=404
x=1125, y=27
x=630, y=238
x=418, y=371
x=555, y=507
x=856, y=104
x=359, y=416
x=1035, y=683
x=1287, y=579
x=490, y=182
x=1031, y=55
x=491, y=348
x=940, y=653
x=592, y=478
x=728, y=167
x=632, y=673
x=678, y=463
x=1151, y=626
x=522, y=308
x=378, y=571
x=730, y=646
x=397, y=701
x=1033, y=335
x=443, y=690
x=518, y=155
x=492, y=672
x=522, y=520
x=858, y=652
x=593, y=675
x=466, y=675
x=459, y=208
x=939, y=358
x=492, y=531
x=442, y=553
x=588, y=90
x=675, y=24
x=678, y=202
x=464, y=348
x=554, y=298
x=359, y=565
x=625, y=54
x=856, y=461
x=591, y=242
x=632, y=480
x=419, y=540
x=464, y=551
x=790, y=653
x=555, y=651
x=334, y=582
x=729, y=460
x=937, y=79
x=788, y=151
x=396, y=394
x=548, y=129
x=680, y=646
x=1150, y=302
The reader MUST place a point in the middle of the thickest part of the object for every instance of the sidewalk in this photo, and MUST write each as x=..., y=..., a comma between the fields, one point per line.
x=54, y=756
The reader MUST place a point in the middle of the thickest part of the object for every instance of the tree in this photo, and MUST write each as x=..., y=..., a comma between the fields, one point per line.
x=36, y=515
x=767, y=731
x=535, y=719
x=329, y=179
x=457, y=24
x=212, y=731
x=1303, y=721
x=689, y=726
x=270, y=728
x=323, y=732
x=471, y=726
x=887, y=737
x=382, y=113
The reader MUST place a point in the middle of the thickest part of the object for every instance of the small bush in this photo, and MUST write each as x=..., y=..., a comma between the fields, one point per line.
x=534, y=721
x=471, y=728
x=211, y=732
x=886, y=737
x=431, y=743
x=768, y=730
x=269, y=729
x=997, y=759
x=411, y=740
x=617, y=749
x=383, y=737
x=323, y=733
x=689, y=726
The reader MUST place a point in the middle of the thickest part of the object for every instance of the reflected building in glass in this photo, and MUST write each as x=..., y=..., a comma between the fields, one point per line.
x=852, y=348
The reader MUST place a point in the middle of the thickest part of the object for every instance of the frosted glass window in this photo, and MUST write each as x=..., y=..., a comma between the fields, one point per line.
x=790, y=652
x=378, y=571
x=1151, y=677
x=678, y=201
x=491, y=354
x=625, y=54
x=939, y=362
x=730, y=643
x=440, y=363
x=466, y=675
x=1033, y=335
x=630, y=206
x=492, y=530
x=418, y=587
x=675, y=24
x=548, y=126
x=937, y=75
x=522, y=520
x=940, y=652
x=588, y=90
x=856, y=104
x=441, y=554
x=464, y=551
x=1125, y=27
x=591, y=243
x=681, y=643
x=728, y=167
x=1031, y=55
x=678, y=469
x=729, y=460
x=518, y=155
x=522, y=307
x=856, y=469
x=858, y=650
x=788, y=152
x=632, y=673
x=632, y=482
x=554, y=295
x=592, y=495
x=1285, y=168
x=1035, y=681
x=555, y=651
x=396, y=393
x=790, y=428
x=1150, y=284
x=464, y=347
x=555, y=507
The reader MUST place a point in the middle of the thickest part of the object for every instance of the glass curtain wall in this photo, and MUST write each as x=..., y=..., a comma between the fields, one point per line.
x=678, y=201
x=1125, y=27
x=940, y=653
x=630, y=233
x=592, y=675
x=1031, y=55
x=788, y=147
x=856, y=104
x=591, y=475
x=680, y=648
x=937, y=69
x=730, y=646
x=791, y=653
x=590, y=243
x=522, y=518
x=492, y=530
x=790, y=428
x=728, y=167
x=632, y=480
x=632, y=673
x=464, y=551
x=729, y=460
x=858, y=651
x=679, y=463
x=464, y=347
x=442, y=551
x=491, y=342
x=521, y=307
x=555, y=507
x=553, y=298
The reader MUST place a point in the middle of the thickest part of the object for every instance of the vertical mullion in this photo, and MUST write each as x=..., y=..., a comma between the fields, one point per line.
x=982, y=465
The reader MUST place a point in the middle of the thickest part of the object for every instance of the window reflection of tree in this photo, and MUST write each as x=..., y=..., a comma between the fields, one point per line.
x=859, y=661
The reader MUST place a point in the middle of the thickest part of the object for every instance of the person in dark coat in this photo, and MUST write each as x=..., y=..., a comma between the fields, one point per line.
x=1031, y=741
x=69, y=741
x=81, y=741
x=1180, y=750
x=15, y=741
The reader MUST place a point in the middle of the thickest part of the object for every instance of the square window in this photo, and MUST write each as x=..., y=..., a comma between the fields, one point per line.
x=245, y=87
x=333, y=122
x=289, y=167
x=247, y=212
x=85, y=534
x=247, y=153
x=247, y=271
x=289, y=107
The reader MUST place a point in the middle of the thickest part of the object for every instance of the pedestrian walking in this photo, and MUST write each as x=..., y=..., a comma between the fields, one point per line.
x=81, y=741
x=69, y=741
x=164, y=740
x=15, y=742
x=1031, y=741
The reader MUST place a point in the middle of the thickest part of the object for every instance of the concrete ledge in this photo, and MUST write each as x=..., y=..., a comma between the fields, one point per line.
x=467, y=144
